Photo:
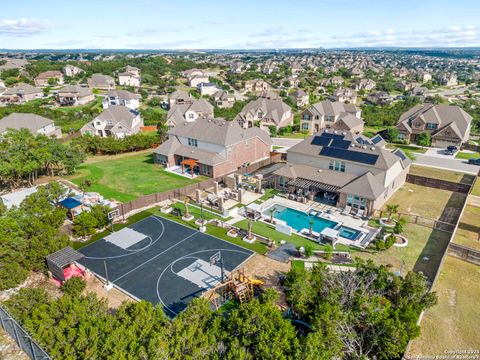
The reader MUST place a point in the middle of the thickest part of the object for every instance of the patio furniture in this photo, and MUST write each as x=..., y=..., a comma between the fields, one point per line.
x=359, y=214
x=347, y=210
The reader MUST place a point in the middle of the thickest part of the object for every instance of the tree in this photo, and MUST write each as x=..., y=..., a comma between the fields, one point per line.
x=392, y=134
x=424, y=139
x=84, y=185
x=84, y=224
x=74, y=286
x=392, y=209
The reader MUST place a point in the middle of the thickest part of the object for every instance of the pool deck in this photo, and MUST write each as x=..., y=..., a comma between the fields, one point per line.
x=329, y=212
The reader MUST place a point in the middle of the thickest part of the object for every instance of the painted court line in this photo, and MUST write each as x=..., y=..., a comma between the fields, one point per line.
x=161, y=253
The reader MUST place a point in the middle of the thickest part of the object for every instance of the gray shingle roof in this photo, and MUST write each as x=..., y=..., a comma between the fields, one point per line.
x=22, y=88
x=123, y=94
x=19, y=121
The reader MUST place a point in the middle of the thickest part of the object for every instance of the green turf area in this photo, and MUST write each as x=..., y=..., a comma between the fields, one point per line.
x=370, y=131
x=467, y=155
x=269, y=193
x=296, y=135
x=298, y=264
x=268, y=231
x=126, y=177
x=277, y=147
x=454, y=176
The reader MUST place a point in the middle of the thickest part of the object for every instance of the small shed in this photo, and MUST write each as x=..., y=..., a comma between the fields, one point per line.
x=61, y=259
x=254, y=210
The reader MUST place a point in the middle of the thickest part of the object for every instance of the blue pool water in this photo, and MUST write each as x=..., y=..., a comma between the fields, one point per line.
x=348, y=233
x=299, y=220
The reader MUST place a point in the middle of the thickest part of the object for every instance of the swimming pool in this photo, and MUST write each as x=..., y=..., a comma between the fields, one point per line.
x=299, y=220
x=349, y=233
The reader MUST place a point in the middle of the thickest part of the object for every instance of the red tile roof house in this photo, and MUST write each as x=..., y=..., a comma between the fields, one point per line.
x=217, y=147
x=42, y=78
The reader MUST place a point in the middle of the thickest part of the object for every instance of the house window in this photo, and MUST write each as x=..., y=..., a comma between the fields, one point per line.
x=401, y=136
x=282, y=182
x=259, y=114
x=304, y=126
x=306, y=117
x=337, y=165
x=329, y=118
x=356, y=202
x=431, y=126
x=206, y=169
x=192, y=142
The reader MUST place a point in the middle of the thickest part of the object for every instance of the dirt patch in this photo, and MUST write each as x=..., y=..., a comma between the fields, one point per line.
x=34, y=280
x=9, y=349
x=267, y=270
x=114, y=296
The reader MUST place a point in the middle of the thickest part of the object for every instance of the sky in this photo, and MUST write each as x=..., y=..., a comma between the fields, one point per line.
x=246, y=24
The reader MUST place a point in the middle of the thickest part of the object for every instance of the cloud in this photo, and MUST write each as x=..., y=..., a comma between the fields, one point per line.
x=21, y=27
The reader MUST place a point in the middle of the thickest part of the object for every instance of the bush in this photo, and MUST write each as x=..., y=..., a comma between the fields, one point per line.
x=308, y=250
x=424, y=139
x=73, y=286
x=328, y=254
x=390, y=241
x=379, y=244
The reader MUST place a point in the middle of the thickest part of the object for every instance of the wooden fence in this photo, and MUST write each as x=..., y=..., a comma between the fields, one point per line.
x=439, y=184
x=273, y=159
x=471, y=147
x=462, y=252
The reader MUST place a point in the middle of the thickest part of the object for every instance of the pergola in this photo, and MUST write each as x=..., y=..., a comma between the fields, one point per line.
x=60, y=259
x=305, y=184
x=191, y=163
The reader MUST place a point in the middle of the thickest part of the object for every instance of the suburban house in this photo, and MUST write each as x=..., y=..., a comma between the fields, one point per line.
x=180, y=97
x=448, y=125
x=21, y=93
x=223, y=99
x=71, y=71
x=355, y=72
x=207, y=88
x=300, y=98
x=116, y=121
x=365, y=84
x=290, y=82
x=43, y=78
x=192, y=72
x=269, y=67
x=195, y=80
x=101, y=82
x=122, y=98
x=331, y=115
x=448, y=79
x=423, y=76
x=296, y=68
x=352, y=175
x=333, y=81
x=188, y=112
x=212, y=147
x=130, y=77
x=75, y=95
x=380, y=98
x=268, y=110
x=403, y=85
x=256, y=86
x=347, y=96
x=34, y=123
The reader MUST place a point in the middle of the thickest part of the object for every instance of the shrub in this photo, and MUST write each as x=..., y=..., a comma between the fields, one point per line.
x=73, y=286
x=308, y=250
x=390, y=241
x=328, y=254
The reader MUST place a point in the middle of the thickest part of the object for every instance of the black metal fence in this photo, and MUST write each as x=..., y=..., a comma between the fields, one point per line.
x=21, y=337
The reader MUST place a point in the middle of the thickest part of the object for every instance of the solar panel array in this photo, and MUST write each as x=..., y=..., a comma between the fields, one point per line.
x=345, y=154
x=400, y=154
x=376, y=139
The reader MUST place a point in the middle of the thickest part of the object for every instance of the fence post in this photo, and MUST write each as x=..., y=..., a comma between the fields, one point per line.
x=16, y=333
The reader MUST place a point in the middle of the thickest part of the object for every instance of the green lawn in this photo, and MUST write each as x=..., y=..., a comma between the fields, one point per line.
x=126, y=177
x=454, y=176
x=296, y=135
x=269, y=193
x=298, y=264
x=268, y=231
x=452, y=324
x=370, y=131
x=476, y=188
x=467, y=155
x=407, y=148
x=468, y=232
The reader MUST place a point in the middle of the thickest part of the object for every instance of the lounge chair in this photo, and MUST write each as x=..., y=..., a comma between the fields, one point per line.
x=359, y=214
x=347, y=210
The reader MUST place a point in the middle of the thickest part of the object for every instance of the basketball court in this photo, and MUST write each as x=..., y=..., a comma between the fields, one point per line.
x=161, y=261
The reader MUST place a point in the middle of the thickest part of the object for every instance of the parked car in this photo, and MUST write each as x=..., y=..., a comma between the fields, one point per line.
x=474, y=161
x=451, y=150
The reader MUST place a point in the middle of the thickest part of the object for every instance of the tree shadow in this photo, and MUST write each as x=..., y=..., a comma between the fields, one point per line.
x=430, y=258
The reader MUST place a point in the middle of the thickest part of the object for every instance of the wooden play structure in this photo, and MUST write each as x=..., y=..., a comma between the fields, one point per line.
x=238, y=286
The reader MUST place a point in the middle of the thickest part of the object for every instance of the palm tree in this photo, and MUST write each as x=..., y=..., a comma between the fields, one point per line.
x=311, y=227
x=392, y=209
x=272, y=211
x=185, y=202
x=250, y=222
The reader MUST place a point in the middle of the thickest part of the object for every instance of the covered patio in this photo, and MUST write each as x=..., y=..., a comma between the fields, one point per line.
x=189, y=164
x=300, y=189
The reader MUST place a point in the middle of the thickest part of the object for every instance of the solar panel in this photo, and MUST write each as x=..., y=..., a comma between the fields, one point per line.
x=400, y=154
x=345, y=154
x=332, y=136
x=341, y=144
x=320, y=141
x=376, y=139
x=362, y=141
